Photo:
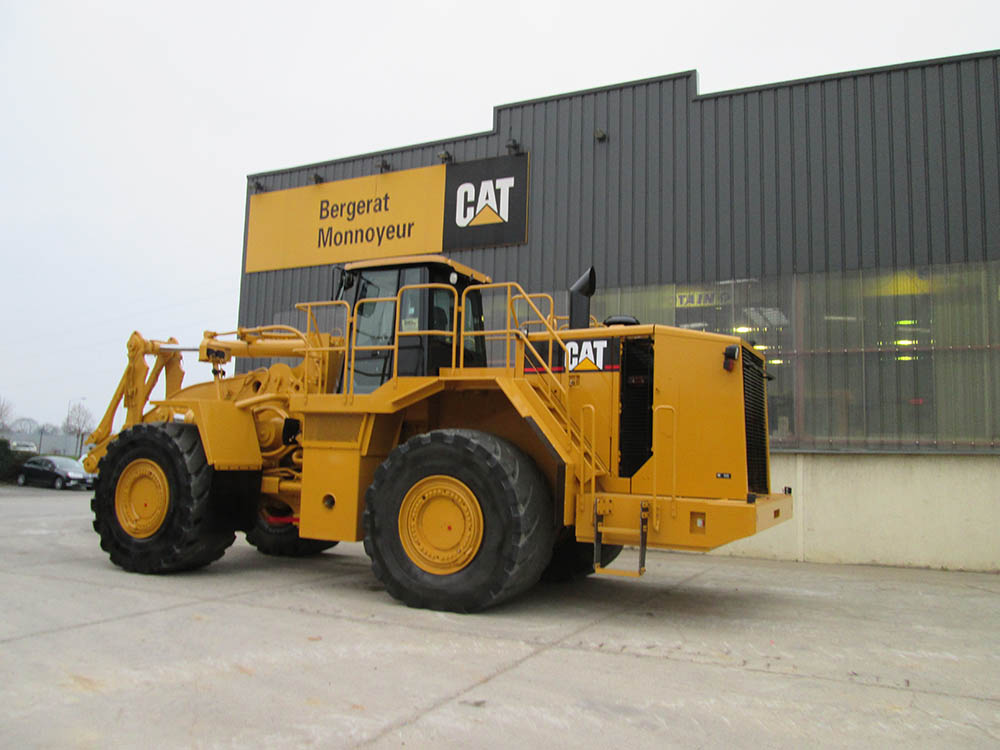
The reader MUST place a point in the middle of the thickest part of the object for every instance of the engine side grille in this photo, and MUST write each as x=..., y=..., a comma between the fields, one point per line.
x=754, y=406
x=636, y=420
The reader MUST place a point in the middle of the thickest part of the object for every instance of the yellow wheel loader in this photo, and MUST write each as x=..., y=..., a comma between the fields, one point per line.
x=474, y=440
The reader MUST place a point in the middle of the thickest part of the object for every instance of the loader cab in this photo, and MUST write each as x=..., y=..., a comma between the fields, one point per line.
x=367, y=285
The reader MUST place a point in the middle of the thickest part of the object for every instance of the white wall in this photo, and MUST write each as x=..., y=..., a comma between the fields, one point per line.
x=910, y=510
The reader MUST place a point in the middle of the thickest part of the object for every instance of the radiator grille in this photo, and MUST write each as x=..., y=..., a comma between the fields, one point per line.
x=754, y=406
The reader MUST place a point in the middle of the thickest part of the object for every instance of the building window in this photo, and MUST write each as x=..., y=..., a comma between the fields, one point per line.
x=874, y=360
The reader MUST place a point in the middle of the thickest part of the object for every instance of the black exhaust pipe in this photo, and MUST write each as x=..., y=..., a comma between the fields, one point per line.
x=579, y=299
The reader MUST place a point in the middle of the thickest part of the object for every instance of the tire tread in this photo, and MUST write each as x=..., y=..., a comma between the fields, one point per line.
x=196, y=536
x=523, y=486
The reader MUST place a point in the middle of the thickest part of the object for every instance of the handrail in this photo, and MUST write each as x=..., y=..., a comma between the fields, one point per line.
x=656, y=462
x=486, y=334
x=312, y=325
x=540, y=295
x=556, y=397
x=585, y=409
x=514, y=333
x=450, y=332
x=309, y=307
x=367, y=348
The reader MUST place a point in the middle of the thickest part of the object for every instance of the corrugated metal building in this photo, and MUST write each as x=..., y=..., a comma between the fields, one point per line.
x=849, y=225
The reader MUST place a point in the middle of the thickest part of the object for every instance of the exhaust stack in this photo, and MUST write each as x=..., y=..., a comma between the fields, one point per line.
x=579, y=299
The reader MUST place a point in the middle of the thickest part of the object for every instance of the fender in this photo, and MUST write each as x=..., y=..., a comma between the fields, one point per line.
x=228, y=433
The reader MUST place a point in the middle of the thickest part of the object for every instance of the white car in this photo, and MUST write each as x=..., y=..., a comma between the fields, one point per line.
x=23, y=446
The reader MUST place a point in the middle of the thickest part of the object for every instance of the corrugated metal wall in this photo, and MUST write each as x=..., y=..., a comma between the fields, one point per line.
x=886, y=168
x=858, y=213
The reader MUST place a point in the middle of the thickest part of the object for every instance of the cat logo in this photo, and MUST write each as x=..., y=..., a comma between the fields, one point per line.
x=485, y=203
x=492, y=206
x=586, y=356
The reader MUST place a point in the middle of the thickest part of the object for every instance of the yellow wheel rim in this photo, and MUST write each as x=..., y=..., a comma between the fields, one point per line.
x=142, y=498
x=440, y=524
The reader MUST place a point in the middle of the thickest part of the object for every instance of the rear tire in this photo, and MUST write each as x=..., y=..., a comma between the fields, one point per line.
x=458, y=520
x=21, y=480
x=282, y=539
x=152, y=502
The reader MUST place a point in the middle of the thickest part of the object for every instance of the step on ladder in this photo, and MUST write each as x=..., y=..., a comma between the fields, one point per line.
x=601, y=508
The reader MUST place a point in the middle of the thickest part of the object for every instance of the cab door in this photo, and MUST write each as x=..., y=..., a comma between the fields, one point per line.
x=375, y=321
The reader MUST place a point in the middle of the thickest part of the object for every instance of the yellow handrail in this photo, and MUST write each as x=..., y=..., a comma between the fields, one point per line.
x=309, y=309
x=354, y=337
x=584, y=410
x=513, y=332
x=312, y=326
x=450, y=332
x=657, y=458
x=539, y=295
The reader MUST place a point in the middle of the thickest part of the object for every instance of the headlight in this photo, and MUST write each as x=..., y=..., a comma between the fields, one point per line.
x=72, y=475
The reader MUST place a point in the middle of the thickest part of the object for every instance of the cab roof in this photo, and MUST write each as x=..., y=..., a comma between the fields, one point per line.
x=421, y=260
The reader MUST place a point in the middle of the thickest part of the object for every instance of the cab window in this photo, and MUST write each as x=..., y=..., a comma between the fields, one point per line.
x=375, y=318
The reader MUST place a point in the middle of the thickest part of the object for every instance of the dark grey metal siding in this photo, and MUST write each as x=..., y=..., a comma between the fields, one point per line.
x=884, y=168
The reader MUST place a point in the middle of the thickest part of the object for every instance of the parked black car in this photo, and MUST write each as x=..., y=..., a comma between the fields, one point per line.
x=55, y=471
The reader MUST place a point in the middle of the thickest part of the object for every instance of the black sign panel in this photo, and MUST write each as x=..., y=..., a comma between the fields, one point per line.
x=585, y=355
x=486, y=203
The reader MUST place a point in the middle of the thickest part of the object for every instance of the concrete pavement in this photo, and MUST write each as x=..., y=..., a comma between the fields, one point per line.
x=702, y=652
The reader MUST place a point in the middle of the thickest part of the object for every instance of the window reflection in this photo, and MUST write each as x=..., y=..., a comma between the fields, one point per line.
x=873, y=360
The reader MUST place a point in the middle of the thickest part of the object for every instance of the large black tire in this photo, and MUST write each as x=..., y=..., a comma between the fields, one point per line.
x=571, y=559
x=57, y=483
x=187, y=532
x=516, y=528
x=282, y=539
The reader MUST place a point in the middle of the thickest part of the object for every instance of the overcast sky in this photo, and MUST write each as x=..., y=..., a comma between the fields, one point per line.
x=128, y=129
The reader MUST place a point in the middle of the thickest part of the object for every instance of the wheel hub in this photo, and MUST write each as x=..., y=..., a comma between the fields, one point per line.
x=142, y=498
x=440, y=524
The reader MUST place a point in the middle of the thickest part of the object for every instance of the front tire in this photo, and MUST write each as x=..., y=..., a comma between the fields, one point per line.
x=458, y=520
x=152, y=502
x=57, y=483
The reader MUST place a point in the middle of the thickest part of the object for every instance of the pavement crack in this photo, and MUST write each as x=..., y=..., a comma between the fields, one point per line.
x=535, y=651
x=937, y=717
x=190, y=601
x=778, y=673
x=102, y=621
x=981, y=588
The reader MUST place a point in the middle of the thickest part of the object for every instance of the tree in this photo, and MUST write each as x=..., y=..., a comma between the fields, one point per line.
x=6, y=413
x=79, y=421
x=24, y=426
